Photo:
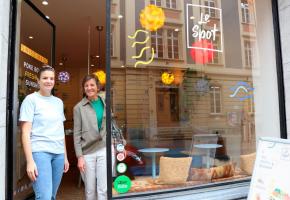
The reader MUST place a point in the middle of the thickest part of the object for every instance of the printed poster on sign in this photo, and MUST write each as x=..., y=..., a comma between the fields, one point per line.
x=271, y=175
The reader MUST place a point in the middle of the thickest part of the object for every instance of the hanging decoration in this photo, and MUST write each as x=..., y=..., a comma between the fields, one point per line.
x=167, y=78
x=63, y=76
x=202, y=56
x=101, y=76
x=202, y=86
x=152, y=18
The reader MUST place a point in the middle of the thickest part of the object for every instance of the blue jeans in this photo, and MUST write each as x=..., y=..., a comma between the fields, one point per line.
x=50, y=169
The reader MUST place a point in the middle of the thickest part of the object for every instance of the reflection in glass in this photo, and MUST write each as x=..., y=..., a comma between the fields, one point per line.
x=208, y=112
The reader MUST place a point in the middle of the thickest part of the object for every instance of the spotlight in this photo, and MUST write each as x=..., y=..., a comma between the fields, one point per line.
x=45, y=2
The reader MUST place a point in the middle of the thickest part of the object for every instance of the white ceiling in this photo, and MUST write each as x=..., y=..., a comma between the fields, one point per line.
x=72, y=19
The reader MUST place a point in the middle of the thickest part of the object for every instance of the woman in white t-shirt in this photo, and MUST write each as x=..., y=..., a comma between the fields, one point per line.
x=42, y=118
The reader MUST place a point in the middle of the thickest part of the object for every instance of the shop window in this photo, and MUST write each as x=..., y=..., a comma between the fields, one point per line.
x=171, y=4
x=172, y=44
x=163, y=103
x=157, y=43
x=215, y=99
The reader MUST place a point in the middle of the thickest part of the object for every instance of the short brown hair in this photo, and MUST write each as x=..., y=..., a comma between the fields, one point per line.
x=43, y=69
x=89, y=77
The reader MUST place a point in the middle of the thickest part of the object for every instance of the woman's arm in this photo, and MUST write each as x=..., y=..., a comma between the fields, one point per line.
x=66, y=163
x=31, y=168
x=77, y=139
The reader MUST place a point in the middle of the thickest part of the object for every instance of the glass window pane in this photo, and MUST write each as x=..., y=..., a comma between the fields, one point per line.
x=173, y=108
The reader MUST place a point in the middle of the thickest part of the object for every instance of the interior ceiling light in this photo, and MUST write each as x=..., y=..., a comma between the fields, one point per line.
x=97, y=56
x=30, y=37
x=122, y=66
x=92, y=65
x=44, y=2
x=120, y=16
x=61, y=64
x=176, y=29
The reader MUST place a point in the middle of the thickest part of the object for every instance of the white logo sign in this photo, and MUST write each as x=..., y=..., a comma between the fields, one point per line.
x=201, y=26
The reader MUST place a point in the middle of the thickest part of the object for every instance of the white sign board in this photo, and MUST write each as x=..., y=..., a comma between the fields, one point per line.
x=271, y=175
x=202, y=25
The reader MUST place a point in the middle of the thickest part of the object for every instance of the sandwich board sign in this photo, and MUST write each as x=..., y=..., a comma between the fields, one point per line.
x=271, y=175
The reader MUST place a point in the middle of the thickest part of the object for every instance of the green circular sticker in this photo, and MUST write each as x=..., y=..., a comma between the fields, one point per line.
x=121, y=167
x=122, y=184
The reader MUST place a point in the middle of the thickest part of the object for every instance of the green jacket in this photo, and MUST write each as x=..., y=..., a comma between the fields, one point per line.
x=87, y=136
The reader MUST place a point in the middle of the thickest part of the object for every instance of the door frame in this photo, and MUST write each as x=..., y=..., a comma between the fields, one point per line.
x=12, y=87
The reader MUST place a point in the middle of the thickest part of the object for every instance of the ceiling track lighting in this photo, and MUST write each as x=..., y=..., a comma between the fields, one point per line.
x=99, y=29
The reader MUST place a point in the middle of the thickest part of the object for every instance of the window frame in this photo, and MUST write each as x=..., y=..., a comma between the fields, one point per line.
x=213, y=93
x=156, y=2
x=246, y=13
x=171, y=39
x=208, y=10
x=248, y=53
x=155, y=36
x=171, y=3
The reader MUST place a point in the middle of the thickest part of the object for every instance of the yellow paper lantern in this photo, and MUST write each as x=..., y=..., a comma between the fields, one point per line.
x=167, y=78
x=101, y=76
x=152, y=18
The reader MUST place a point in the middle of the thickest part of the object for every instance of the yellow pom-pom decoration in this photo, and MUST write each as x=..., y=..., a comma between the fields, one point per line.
x=101, y=76
x=152, y=18
x=167, y=78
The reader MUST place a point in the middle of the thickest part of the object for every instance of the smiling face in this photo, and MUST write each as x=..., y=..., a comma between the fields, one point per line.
x=91, y=89
x=46, y=81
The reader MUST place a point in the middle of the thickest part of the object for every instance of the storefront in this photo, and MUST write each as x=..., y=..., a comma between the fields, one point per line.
x=192, y=85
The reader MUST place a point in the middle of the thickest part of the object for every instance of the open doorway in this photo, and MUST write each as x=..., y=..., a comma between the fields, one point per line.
x=70, y=36
x=167, y=107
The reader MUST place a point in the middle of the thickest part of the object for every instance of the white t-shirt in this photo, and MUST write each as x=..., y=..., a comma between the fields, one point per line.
x=46, y=115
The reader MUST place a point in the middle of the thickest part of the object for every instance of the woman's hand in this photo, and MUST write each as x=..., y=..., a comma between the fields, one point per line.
x=81, y=164
x=31, y=170
x=66, y=165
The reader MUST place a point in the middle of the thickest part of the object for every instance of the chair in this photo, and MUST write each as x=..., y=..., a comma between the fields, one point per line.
x=198, y=153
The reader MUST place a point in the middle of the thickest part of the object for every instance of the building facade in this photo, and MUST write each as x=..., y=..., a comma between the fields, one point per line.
x=170, y=83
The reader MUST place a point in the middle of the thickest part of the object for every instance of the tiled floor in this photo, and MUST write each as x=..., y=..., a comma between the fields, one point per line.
x=69, y=189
